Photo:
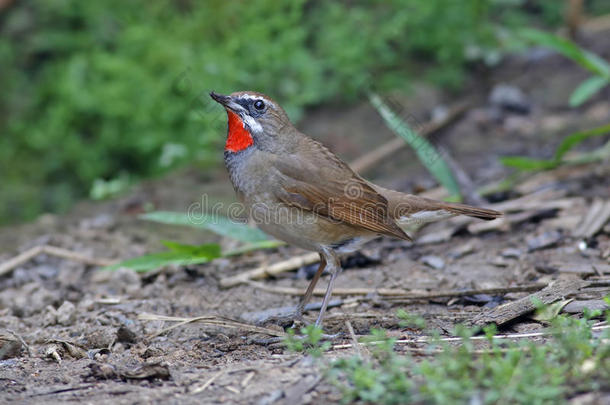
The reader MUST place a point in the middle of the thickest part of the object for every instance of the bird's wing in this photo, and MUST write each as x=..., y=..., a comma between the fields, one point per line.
x=317, y=180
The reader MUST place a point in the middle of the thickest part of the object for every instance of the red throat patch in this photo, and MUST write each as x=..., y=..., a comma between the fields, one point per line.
x=239, y=138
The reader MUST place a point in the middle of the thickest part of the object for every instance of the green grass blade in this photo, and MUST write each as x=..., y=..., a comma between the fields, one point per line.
x=528, y=164
x=181, y=255
x=218, y=224
x=587, y=89
x=156, y=260
x=569, y=49
x=208, y=249
x=576, y=138
x=425, y=151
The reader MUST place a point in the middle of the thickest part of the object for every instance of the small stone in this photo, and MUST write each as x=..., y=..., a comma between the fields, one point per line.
x=433, y=261
x=124, y=334
x=86, y=304
x=510, y=98
x=499, y=262
x=50, y=316
x=66, y=314
x=576, y=307
x=512, y=253
x=124, y=281
x=98, y=339
x=461, y=251
x=9, y=347
x=152, y=352
x=544, y=240
x=45, y=271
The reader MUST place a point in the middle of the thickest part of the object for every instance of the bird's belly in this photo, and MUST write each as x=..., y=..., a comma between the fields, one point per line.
x=305, y=229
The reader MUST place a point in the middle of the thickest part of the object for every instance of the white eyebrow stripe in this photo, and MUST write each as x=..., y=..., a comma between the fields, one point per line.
x=254, y=97
x=250, y=96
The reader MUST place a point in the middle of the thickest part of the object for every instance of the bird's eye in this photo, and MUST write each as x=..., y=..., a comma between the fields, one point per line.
x=259, y=105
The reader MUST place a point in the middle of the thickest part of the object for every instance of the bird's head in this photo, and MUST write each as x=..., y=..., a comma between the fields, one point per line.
x=254, y=119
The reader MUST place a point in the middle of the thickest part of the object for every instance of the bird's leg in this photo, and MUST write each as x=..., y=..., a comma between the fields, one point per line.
x=332, y=260
x=312, y=285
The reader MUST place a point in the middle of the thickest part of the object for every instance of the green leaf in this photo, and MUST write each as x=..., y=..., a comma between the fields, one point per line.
x=181, y=255
x=574, y=139
x=427, y=154
x=216, y=223
x=525, y=163
x=587, y=89
x=209, y=249
x=569, y=49
x=156, y=260
x=547, y=313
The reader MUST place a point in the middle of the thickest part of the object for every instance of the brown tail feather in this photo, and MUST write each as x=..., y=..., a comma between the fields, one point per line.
x=401, y=204
x=475, y=212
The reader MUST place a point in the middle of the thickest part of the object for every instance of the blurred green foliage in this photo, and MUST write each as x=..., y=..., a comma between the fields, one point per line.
x=117, y=90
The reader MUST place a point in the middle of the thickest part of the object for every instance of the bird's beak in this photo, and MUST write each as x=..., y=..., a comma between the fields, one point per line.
x=219, y=98
x=226, y=101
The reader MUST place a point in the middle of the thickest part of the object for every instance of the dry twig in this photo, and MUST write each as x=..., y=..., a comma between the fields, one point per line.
x=553, y=292
x=207, y=320
x=594, y=219
x=23, y=257
x=428, y=339
x=401, y=294
x=264, y=271
x=209, y=382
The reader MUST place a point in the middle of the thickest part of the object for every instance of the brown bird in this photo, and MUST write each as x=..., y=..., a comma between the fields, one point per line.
x=298, y=191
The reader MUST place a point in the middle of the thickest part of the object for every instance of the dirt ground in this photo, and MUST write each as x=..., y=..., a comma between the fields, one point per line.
x=72, y=333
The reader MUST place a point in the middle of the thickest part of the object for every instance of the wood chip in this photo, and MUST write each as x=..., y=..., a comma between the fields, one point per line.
x=507, y=312
x=594, y=220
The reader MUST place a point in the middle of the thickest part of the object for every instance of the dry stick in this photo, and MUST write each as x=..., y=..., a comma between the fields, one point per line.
x=18, y=337
x=594, y=220
x=370, y=159
x=427, y=339
x=352, y=334
x=277, y=268
x=247, y=379
x=551, y=293
x=208, y=382
x=23, y=257
x=207, y=320
x=398, y=294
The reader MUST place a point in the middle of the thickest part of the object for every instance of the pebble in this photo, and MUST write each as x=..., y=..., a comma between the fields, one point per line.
x=100, y=338
x=510, y=98
x=66, y=314
x=433, y=261
x=124, y=334
x=544, y=240
x=124, y=281
x=50, y=316
x=512, y=253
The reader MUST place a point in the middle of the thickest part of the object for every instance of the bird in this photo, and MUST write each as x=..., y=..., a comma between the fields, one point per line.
x=298, y=191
